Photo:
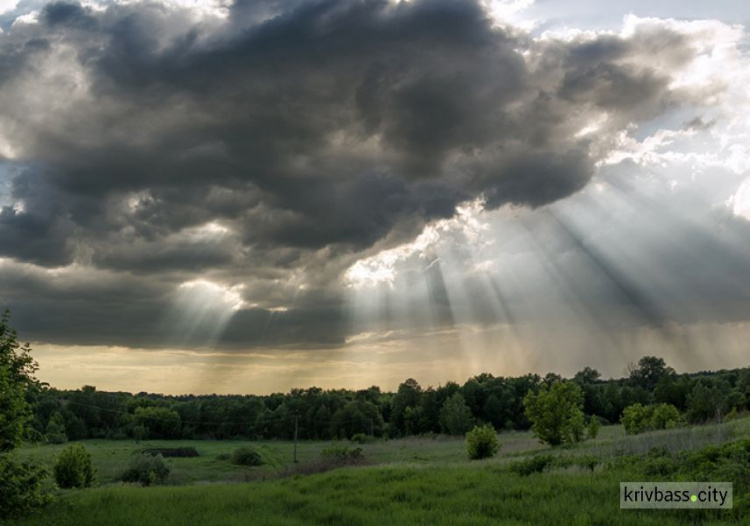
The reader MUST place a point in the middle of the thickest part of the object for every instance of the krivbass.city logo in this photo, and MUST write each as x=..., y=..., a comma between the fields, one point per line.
x=686, y=495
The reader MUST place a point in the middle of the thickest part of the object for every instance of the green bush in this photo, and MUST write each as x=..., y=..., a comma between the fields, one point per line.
x=223, y=456
x=24, y=486
x=531, y=465
x=587, y=462
x=481, y=442
x=246, y=456
x=342, y=453
x=664, y=416
x=638, y=418
x=55, y=430
x=147, y=470
x=73, y=468
x=556, y=412
x=593, y=428
x=361, y=438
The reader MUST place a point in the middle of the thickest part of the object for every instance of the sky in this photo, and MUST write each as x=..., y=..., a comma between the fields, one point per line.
x=217, y=196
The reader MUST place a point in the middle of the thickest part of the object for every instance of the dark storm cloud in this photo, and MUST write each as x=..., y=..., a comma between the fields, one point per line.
x=312, y=130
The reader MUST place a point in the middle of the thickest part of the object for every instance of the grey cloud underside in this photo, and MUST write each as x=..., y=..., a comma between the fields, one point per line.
x=313, y=134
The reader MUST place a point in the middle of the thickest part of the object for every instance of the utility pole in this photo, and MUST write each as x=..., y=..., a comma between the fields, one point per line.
x=296, y=417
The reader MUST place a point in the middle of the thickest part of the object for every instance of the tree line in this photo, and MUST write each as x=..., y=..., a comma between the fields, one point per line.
x=652, y=395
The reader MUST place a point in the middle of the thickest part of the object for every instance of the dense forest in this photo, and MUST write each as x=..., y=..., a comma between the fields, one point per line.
x=61, y=415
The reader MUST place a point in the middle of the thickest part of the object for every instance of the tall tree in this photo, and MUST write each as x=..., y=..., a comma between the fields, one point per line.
x=22, y=485
x=455, y=416
x=17, y=370
x=649, y=371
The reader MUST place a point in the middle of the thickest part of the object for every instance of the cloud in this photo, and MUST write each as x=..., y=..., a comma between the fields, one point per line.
x=313, y=134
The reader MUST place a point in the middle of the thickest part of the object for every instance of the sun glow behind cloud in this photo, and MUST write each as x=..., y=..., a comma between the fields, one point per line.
x=651, y=256
x=464, y=228
x=660, y=191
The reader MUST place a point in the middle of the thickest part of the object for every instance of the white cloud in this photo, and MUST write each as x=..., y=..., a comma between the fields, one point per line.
x=467, y=226
x=7, y=5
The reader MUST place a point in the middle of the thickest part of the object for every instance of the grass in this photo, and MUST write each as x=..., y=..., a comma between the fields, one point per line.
x=408, y=481
x=110, y=457
x=479, y=494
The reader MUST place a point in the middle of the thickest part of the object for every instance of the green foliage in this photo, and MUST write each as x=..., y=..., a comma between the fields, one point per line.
x=361, y=438
x=638, y=418
x=246, y=456
x=587, y=462
x=140, y=432
x=342, y=453
x=55, y=430
x=728, y=462
x=593, y=427
x=16, y=378
x=147, y=470
x=634, y=419
x=649, y=371
x=73, y=468
x=89, y=413
x=22, y=484
x=711, y=398
x=576, y=426
x=556, y=412
x=481, y=442
x=455, y=415
x=23, y=487
x=664, y=416
x=356, y=417
x=408, y=395
x=161, y=422
x=535, y=464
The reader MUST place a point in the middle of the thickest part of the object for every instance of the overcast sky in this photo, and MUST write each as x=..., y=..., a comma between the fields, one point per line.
x=207, y=196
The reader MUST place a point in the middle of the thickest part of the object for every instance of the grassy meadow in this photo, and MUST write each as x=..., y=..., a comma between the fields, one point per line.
x=407, y=481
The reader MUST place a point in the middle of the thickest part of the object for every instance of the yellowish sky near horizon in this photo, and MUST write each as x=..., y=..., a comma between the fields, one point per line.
x=373, y=359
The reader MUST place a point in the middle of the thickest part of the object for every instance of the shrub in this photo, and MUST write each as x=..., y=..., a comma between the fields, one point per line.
x=634, y=419
x=342, y=453
x=23, y=487
x=147, y=470
x=664, y=416
x=531, y=465
x=594, y=425
x=55, y=430
x=587, y=462
x=246, y=456
x=180, y=452
x=223, y=456
x=556, y=413
x=481, y=442
x=638, y=418
x=361, y=438
x=73, y=468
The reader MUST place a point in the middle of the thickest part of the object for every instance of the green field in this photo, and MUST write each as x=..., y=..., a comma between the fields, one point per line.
x=408, y=481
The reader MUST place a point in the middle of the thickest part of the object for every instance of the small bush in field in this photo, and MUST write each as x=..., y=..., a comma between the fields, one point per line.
x=481, y=442
x=342, y=453
x=246, y=456
x=593, y=428
x=531, y=465
x=73, y=469
x=146, y=470
x=361, y=438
